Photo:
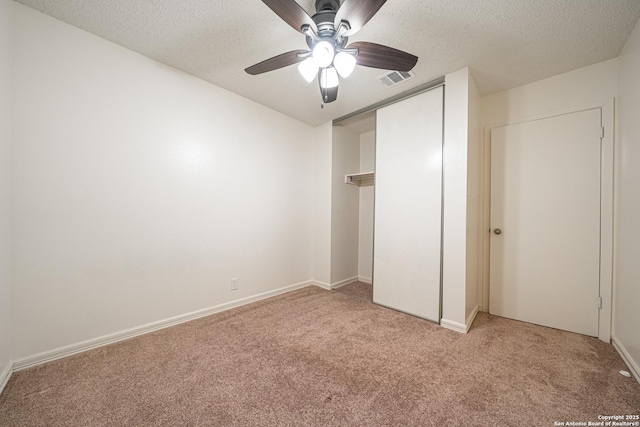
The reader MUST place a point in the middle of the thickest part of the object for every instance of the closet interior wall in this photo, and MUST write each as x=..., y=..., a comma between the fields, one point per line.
x=365, y=235
x=351, y=206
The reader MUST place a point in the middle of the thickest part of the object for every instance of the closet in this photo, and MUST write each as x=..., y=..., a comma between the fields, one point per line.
x=387, y=204
x=408, y=205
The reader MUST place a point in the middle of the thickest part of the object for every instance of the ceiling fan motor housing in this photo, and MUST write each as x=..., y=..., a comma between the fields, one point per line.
x=324, y=5
x=324, y=19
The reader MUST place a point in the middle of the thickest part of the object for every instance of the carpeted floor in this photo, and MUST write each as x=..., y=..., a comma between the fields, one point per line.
x=357, y=289
x=321, y=358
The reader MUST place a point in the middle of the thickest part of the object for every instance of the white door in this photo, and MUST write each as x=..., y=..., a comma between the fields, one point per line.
x=408, y=205
x=545, y=221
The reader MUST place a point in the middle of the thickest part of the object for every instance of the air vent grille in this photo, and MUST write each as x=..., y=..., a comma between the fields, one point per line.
x=395, y=77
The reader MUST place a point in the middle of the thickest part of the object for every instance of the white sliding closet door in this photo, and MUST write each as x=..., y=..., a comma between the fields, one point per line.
x=408, y=205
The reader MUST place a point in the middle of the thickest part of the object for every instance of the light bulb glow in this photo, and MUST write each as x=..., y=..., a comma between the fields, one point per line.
x=344, y=64
x=328, y=78
x=309, y=69
x=323, y=53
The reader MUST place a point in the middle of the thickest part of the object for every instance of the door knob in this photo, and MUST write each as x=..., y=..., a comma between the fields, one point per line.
x=497, y=231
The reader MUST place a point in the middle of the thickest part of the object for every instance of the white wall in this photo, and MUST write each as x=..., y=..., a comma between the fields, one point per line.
x=344, y=206
x=365, y=223
x=580, y=88
x=576, y=88
x=139, y=190
x=474, y=204
x=6, y=35
x=626, y=316
x=455, y=154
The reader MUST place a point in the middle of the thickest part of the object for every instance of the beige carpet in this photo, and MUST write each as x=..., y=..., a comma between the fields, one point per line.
x=321, y=358
x=357, y=289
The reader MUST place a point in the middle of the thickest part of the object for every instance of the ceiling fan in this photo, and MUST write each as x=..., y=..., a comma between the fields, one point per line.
x=327, y=34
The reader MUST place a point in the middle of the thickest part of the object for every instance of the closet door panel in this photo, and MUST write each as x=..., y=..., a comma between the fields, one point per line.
x=408, y=205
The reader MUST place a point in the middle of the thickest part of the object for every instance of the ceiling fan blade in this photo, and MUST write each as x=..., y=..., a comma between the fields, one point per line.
x=357, y=13
x=279, y=61
x=291, y=13
x=378, y=56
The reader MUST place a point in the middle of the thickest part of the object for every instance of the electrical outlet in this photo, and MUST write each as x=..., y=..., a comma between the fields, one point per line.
x=234, y=284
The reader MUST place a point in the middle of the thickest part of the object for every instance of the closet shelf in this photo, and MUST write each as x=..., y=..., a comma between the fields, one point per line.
x=359, y=179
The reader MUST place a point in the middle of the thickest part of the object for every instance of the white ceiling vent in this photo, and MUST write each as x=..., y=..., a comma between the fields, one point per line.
x=395, y=77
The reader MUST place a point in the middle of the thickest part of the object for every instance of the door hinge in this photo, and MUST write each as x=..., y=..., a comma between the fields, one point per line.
x=601, y=131
x=599, y=302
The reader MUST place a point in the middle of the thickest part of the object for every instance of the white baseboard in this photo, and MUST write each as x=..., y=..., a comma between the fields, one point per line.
x=90, y=344
x=459, y=327
x=368, y=280
x=454, y=326
x=626, y=357
x=321, y=285
x=344, y=282
x=472, y=316
x=5, y=375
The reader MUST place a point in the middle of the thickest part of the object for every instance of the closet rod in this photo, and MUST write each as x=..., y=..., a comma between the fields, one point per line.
x=399, y=97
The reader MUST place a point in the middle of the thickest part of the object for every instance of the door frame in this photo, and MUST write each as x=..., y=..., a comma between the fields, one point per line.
x=606, y=206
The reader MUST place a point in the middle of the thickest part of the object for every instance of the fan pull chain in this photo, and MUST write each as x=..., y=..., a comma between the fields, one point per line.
x=325, y=98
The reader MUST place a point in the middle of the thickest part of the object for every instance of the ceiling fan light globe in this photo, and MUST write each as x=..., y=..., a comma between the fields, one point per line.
x=328, y=78
x=309, y=69
x=323, y=53
x=344, y=64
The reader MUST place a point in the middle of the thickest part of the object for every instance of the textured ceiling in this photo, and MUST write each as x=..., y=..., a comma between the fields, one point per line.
x=506, y=43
